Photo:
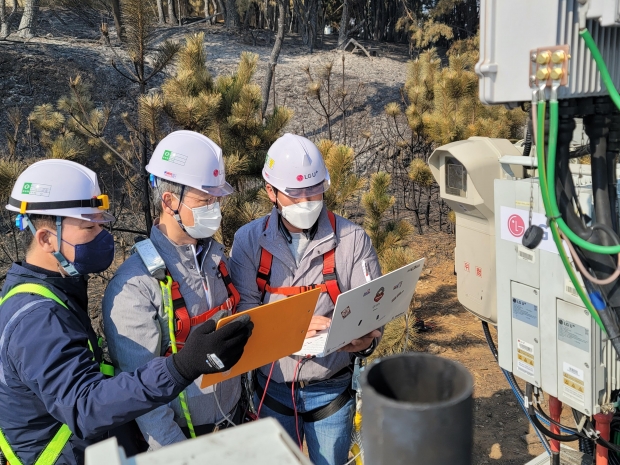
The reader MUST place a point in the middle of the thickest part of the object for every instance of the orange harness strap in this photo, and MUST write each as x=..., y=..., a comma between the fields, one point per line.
x=184, y=322
x=330, y=282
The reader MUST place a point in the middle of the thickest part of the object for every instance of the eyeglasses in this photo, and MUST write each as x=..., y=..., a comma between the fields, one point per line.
x=201, y=201
x=307, y=192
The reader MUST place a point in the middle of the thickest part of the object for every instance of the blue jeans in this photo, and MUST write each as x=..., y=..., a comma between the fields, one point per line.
x=328, y=440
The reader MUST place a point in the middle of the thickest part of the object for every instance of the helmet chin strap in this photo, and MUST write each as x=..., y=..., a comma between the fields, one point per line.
x=63, y=264
x=62, y=261
x=177, y=216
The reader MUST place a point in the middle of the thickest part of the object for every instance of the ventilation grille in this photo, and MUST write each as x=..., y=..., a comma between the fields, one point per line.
x=584, y=78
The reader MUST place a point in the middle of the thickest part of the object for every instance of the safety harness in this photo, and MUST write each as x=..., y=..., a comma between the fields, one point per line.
x=179, y=321
x=183, y=323
x=49, y=455
x=330, y=282
x=330, y=286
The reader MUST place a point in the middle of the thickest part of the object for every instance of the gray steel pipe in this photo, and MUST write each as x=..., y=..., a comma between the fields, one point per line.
x=417, y=409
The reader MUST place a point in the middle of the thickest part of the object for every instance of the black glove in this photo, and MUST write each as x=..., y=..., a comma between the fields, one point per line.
x=205, y=348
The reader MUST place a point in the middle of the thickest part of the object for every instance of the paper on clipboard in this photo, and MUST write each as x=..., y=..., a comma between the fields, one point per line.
x=279, y=330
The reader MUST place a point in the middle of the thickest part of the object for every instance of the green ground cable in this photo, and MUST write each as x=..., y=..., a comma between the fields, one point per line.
x=540, y=150
x=553, y=211
x=602, y=67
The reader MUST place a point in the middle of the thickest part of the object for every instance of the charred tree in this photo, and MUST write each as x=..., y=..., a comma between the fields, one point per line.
x=4, y=24
x=27, y=24
x=160, y=12
x=172, y=17
x=275, y=53
x=232, y=20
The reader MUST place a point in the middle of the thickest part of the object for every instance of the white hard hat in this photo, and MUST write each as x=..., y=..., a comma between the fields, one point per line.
x=190, y=159
x=295, y=166
x=59, y=188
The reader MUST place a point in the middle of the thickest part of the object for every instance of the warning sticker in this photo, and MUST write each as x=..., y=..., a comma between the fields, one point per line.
x=525, y=312
x=576, y=335
x=573, y=382
x=526, y=254
x=525, y=357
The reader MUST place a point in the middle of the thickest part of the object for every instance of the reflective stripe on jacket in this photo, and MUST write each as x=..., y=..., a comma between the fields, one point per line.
x=353, y=246
x=48, y=376
x=136, y=329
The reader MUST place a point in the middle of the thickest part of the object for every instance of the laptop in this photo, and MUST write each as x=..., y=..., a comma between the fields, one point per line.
x=365, y=308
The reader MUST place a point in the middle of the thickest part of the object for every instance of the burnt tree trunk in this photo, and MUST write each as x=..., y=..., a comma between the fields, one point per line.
x=4, y=23
x=172, y=18
x=116, y=14
x=344, y=23
x=307, y=18
x=27, y=24
x=218, y=7
x=231, y=20
x=313, y=24
x=160, y=12
x=275, y=53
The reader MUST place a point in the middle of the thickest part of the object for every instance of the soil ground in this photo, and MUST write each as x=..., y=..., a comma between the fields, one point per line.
x=37, y=71
x=500, y=426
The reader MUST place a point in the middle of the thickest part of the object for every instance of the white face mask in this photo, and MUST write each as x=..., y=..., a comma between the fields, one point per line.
x=207, y=221
x=302, y=215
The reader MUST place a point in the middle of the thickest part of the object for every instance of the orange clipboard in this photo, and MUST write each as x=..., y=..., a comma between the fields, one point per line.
x=279, y=331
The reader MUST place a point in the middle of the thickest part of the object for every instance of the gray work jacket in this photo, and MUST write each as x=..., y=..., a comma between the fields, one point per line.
x=353, y=246
x=136, y=329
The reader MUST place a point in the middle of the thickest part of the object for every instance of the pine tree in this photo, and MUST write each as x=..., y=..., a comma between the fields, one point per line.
x=345, y=183
x=138, y=18
x=388, y=237
x=390, y=241
x=227, y=109
x=443, y=101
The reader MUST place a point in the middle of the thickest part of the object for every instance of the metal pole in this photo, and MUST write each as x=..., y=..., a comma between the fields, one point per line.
x=417, y=409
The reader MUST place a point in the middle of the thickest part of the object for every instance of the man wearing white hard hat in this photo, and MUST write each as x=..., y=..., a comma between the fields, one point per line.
x=56, y=394
x=301, y=244
x=188, y=290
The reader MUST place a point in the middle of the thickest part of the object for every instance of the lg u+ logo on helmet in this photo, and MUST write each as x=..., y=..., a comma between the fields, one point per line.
x=301, y=177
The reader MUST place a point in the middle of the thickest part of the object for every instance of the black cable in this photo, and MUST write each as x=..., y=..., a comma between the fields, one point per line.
x=608, y=445
x=487, y=335
x=527, y=145
x=529, y=389
x=558, y=437
x=586, y=445
x=608, y=230
x=551, y=420
x=597, y=128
